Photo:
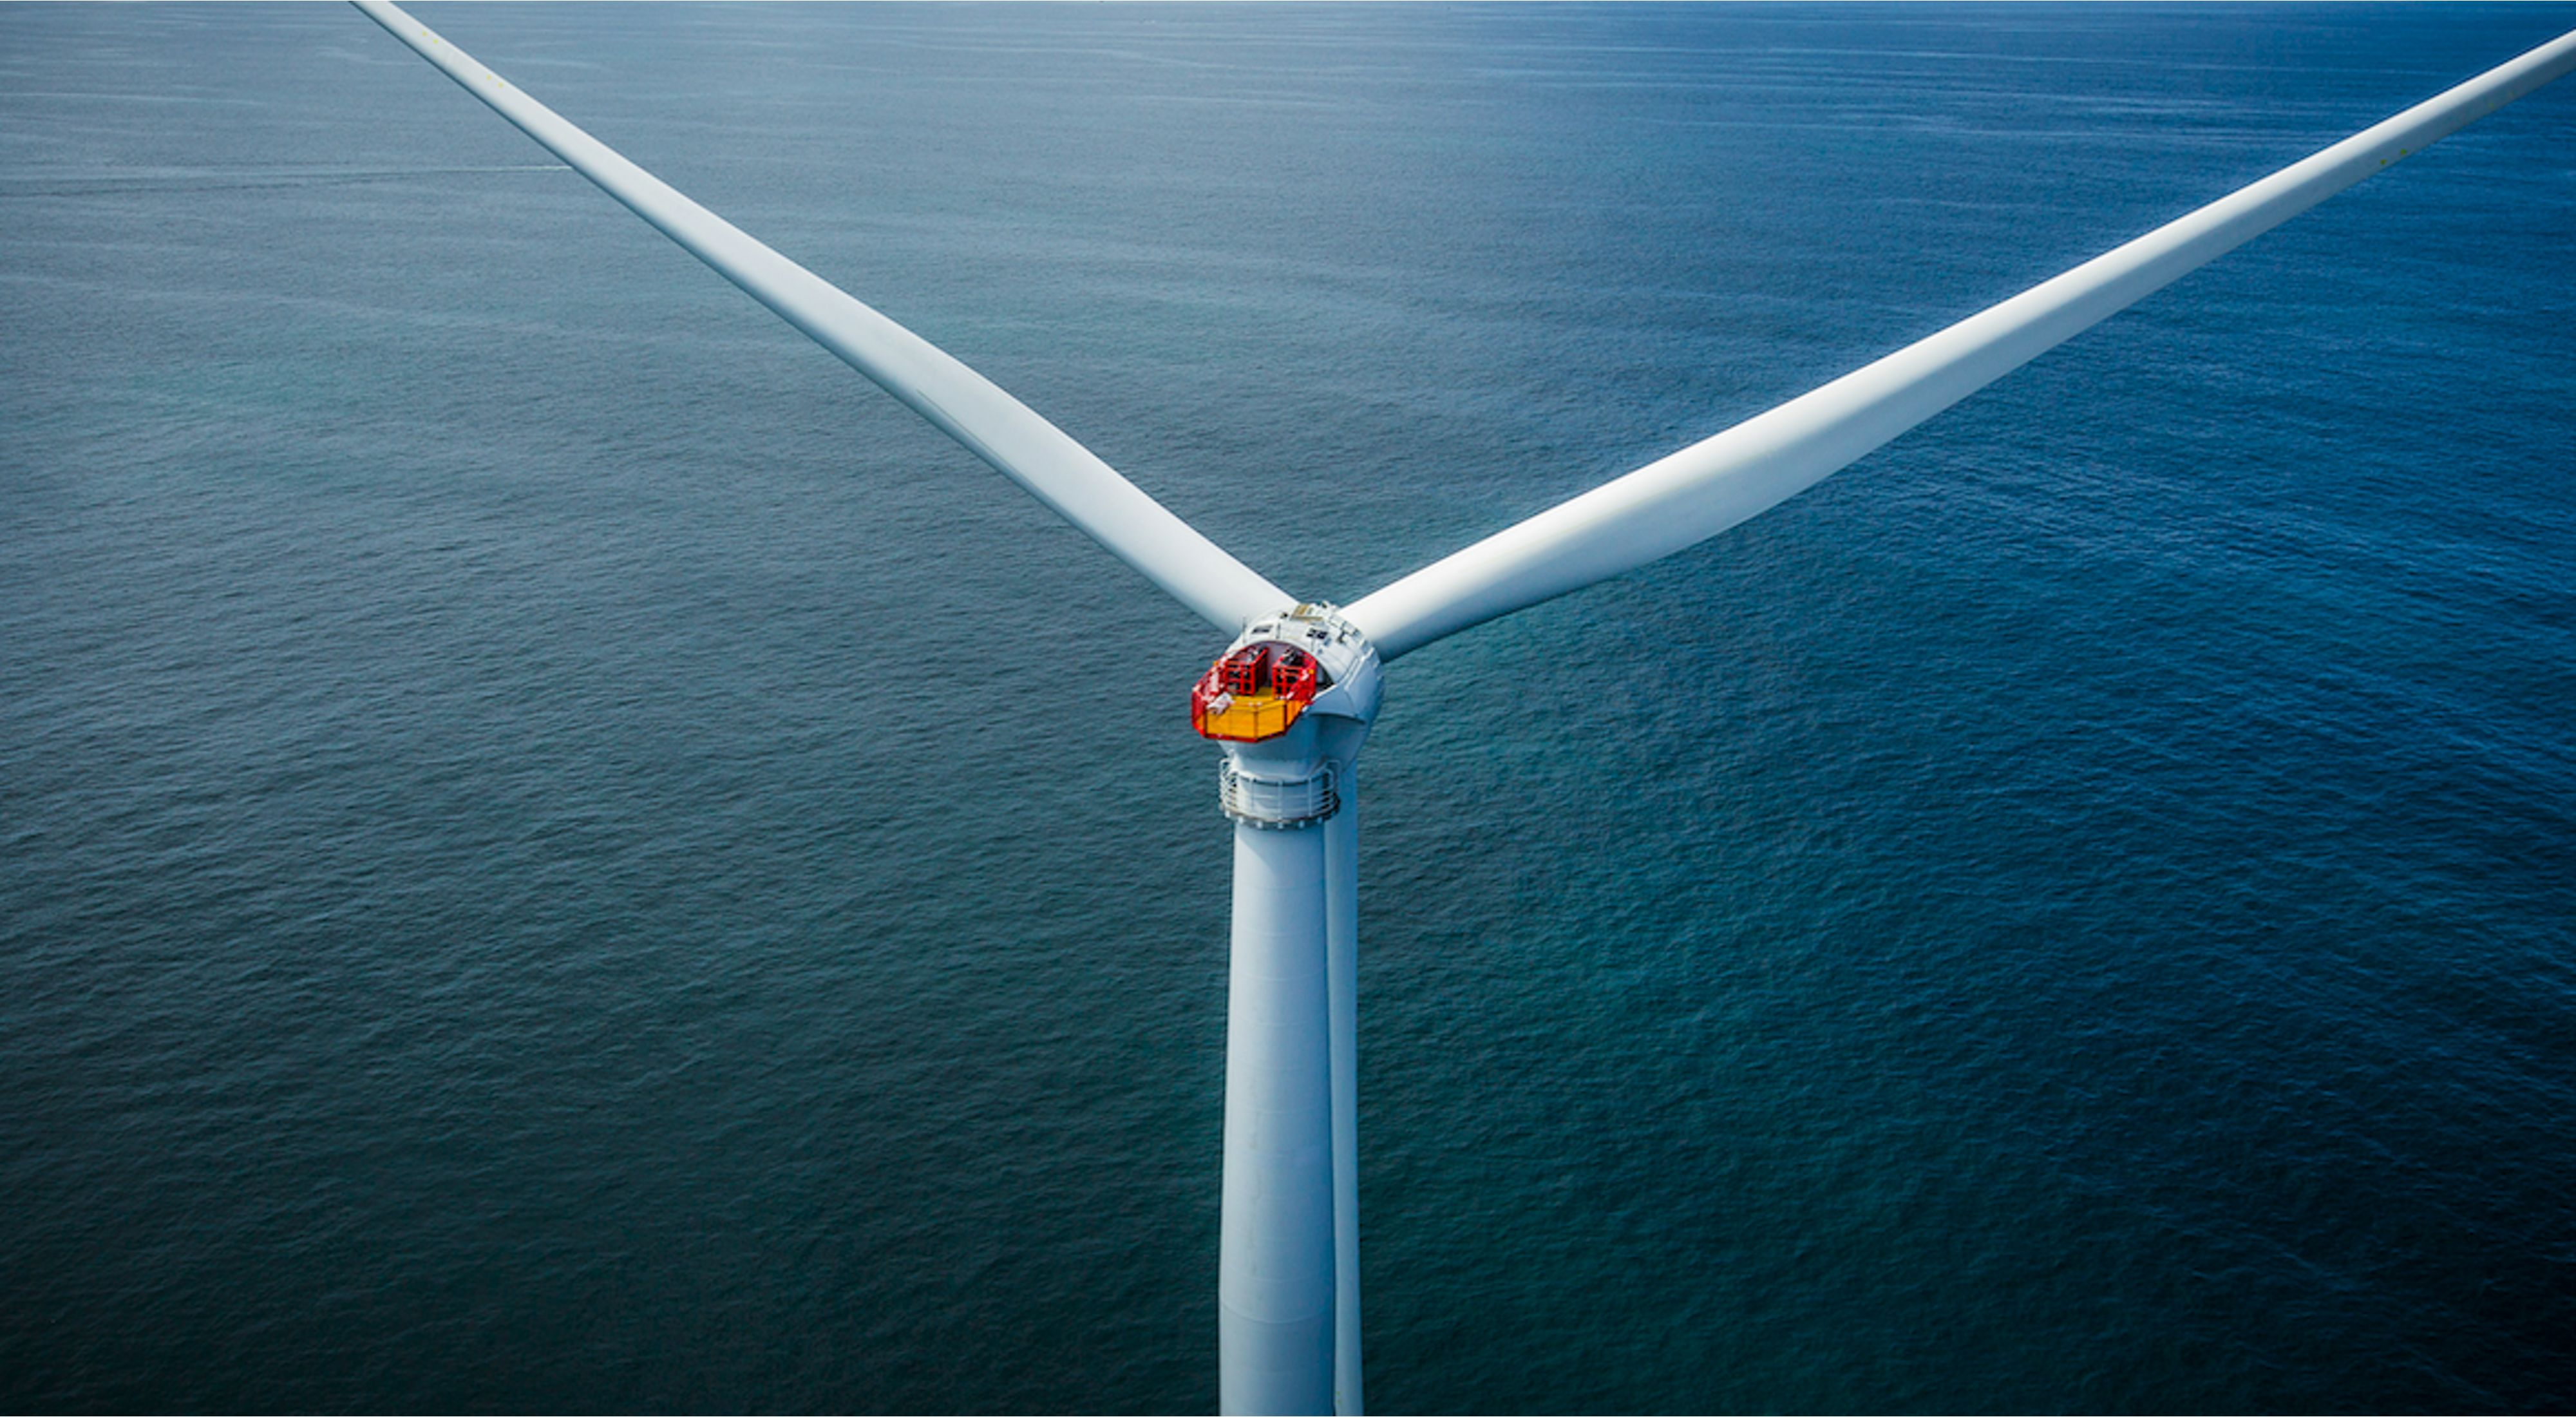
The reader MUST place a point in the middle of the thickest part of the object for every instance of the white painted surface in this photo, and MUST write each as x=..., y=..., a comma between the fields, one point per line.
x=1275, y=1289
x=1342, y=970
x=1702, y=490
x=962, y=403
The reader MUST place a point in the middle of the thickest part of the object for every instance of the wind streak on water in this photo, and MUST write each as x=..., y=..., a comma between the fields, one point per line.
x=557, y=851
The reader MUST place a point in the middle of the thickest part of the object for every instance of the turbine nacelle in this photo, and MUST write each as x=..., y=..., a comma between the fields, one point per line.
x=1290, y=701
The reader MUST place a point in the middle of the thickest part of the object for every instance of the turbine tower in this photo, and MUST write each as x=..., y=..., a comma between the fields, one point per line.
x=1290, y=700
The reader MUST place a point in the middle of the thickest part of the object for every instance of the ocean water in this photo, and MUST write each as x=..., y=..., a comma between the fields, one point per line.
x=559, y=851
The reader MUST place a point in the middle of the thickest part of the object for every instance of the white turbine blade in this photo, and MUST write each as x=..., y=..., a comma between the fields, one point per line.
x=962, y=403
x=1702, y=490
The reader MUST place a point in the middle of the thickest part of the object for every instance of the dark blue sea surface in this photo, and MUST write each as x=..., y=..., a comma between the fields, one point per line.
x=559, y=850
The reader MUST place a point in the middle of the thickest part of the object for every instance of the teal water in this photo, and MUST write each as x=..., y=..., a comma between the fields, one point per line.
x=558, y=851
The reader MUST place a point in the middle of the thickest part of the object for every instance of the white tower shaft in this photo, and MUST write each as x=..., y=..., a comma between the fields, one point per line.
x=1275, y=1265
x=1342, y=934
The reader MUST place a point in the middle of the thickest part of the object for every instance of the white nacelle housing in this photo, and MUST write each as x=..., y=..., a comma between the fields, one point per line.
x=1288, y=746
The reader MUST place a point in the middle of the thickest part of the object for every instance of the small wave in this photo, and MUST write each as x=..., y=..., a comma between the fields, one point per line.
x=227, y=179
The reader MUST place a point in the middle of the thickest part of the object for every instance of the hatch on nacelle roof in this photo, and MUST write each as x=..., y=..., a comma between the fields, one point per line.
x=1257, y=691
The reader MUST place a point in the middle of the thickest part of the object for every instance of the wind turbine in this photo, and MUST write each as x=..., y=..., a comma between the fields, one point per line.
x=1291, y=699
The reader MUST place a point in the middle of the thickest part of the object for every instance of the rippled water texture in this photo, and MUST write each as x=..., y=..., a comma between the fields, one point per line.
x=559, y=851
